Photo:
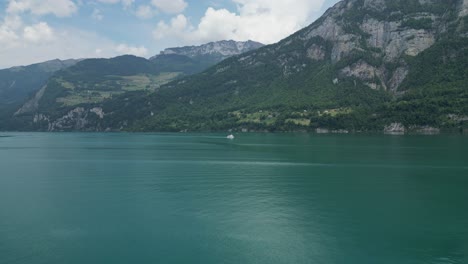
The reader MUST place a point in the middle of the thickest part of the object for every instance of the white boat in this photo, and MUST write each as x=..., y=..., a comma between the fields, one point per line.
x=230, y=136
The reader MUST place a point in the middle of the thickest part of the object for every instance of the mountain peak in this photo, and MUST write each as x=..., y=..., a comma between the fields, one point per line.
x=224, y=49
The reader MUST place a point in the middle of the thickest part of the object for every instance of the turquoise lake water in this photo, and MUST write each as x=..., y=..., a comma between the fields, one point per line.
x=260, y=198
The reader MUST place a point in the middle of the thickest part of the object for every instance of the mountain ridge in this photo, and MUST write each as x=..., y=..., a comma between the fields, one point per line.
x=195, y=59
x=364, y=65
x=91, y=81
x=357, y=43
x=224, y=48
x=18, y=83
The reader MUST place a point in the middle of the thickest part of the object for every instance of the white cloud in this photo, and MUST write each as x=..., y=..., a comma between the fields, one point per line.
x=145, y=12
x=60, y=8
x=65, y=45
x=24, y=44
x=8, y=37
x=109, y=1
x=170, y=6
x=8, y=28
x=13, y=21
x=267, y=21
x=178, y=27
x=125, y=3
x=97, y=14
x=39, y=33
x=140, y=51
x=31, y=41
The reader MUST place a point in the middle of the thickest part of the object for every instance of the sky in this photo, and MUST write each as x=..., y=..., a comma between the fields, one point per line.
x=33, y=31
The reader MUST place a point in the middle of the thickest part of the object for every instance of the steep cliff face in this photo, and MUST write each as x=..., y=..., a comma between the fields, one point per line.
x=368, y=40
x=77, y=119
x=372, y=39
x=220, y=49
x=195, y=59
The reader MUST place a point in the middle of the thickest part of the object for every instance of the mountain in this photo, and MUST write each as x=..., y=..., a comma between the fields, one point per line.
x=93, y=81
x=194, y=59
x=365, y=65
x=17, y=83
x=220, y=49
x=90, y=82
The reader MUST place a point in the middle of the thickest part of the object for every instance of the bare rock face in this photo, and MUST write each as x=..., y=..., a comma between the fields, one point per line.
x=344, y=46
x=78, y=119
x=463, y=8
x=226, y=48
x=98, y=111
x=74, y=120
x=396, y=41
x=370, y=40
x=329, y=29
x=380, y=32
x=397, y=78
x=395, y=128
x=40, y=118
x=316, y=52
x=409, y=42
x=361, y=70
x=377, y=36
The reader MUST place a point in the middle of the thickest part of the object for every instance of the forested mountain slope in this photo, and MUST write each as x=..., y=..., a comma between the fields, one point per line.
x=364, y=65
x=18, y=83
x=82, y=88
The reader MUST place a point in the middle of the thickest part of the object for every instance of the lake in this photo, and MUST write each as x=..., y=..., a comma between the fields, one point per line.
x=260, y=198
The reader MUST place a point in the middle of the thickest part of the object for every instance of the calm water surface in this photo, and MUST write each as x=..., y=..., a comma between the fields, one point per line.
x=261, y=198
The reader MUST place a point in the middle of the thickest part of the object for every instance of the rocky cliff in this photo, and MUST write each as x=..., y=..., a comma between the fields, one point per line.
x=220, y=49
x=371, y=40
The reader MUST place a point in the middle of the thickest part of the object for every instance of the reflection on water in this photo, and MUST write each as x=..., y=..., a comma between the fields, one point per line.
x=171, y=198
